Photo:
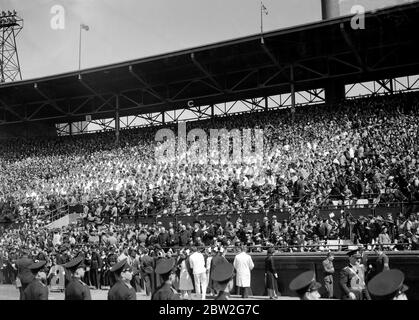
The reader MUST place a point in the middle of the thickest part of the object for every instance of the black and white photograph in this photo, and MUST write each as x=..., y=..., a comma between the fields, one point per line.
x=200, y=151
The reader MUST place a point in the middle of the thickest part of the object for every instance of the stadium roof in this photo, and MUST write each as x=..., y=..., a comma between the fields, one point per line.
x=230, y=70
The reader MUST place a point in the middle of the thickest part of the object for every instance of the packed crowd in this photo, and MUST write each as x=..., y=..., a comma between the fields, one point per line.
x=359, y=149
x=102, y=242
x=344, y=152
x=103, y=245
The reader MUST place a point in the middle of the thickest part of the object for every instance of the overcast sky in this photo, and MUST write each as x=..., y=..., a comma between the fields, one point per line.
x=129, y=29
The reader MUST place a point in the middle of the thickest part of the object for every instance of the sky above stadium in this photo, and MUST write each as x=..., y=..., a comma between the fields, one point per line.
x=131, y=29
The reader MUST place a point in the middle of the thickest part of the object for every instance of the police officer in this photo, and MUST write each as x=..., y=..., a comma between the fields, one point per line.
x=388, y=285
x=329, y=270
x=352, y=278
x=23, y=273
x=76, y=289
x=122, y=289
x=36, y=290
x=166, y=269
x=222, y=276
x=306, y=286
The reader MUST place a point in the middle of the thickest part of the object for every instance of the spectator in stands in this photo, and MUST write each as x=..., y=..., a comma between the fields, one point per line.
x=384, y=238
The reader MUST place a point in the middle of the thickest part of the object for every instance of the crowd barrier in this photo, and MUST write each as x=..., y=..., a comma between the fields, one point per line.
x=369, y=210
x=324, y=212
x=184, y=219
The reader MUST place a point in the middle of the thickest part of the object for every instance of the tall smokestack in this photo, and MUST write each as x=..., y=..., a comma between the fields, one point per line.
x=330, y=9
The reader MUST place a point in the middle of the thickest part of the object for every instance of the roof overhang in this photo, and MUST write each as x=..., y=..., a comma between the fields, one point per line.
x=317, y=54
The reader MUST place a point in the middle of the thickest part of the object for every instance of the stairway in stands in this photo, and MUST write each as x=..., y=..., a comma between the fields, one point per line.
x=64, y=221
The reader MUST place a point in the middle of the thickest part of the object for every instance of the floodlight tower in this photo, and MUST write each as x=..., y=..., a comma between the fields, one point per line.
x=10, y=26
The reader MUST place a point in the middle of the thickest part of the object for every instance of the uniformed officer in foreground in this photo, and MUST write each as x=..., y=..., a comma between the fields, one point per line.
x=306, y=286
x=166, y=269
x=352, y=278
x=76, y=289
x=122, y=289
x=222, y=275
x=388, y=285
x=36, y=290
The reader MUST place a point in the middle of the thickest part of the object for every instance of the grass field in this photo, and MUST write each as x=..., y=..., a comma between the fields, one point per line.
x=9, y=292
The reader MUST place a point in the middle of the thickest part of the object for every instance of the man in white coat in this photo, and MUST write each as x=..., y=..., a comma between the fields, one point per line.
x=243, y=264
x=197, y=263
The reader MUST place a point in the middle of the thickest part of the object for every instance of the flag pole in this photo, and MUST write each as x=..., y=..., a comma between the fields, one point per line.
x=80, y=49
x=261, y=23
x=261, y=19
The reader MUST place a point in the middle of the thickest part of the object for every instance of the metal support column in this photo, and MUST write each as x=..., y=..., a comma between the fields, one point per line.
x=70, y=130
x=163, y=118
x=292, y=85
x=266, y=103
x=117, y=120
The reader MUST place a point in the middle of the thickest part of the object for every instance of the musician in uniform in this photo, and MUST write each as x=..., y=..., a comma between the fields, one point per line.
x=222, y=275
x=122, y=289
x=306, y=286
x=388, y=285
x=76, y=289
x=329, y=270
x=36, y=290
x=167, y=271
x=352, y=278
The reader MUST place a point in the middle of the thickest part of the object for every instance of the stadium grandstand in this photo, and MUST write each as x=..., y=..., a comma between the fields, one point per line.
x=339, y=111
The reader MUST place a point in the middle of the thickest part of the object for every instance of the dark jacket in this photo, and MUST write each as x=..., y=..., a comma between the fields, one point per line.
x=165, y=292
x=121, y=291
x=77, y=290
x=173, y=240
x=36, y=290
x=222, y=295
x=216, y=260
x=147, y=264
x=163, y=239
x=184, y=238
x=25, y=275
x=271, y=282
x=96, y=262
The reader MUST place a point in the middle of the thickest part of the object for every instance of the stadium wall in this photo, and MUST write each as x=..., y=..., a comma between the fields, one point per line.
x=289, y=265
x=27, y=130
